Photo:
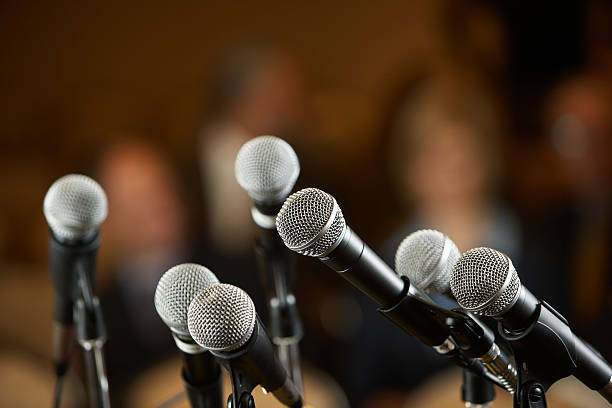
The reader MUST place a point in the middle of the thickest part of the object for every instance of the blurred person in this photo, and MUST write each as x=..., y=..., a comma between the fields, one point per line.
x=256, y=91
x=445, y=163
x=579, y=126
x=144, y=235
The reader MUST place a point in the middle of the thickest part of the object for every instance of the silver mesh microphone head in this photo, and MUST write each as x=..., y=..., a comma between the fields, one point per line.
x=267, y=168
x=485, y=282
x=75, y=206
x=426, y=258
x=310, y=222
x=221, y=318
x=175, y=291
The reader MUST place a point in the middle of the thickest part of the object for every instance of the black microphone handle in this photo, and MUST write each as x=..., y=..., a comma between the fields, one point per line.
x=256, y=359
x=402, y=303
x=544, y=343
x=275, y=264
x=202, y=380
x=200, y=368
x=357, y=263
x=63, y=261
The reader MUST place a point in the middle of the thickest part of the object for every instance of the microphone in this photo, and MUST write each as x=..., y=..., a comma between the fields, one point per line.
x=311, y=223
x=222, y=319
x=267, y=168
x=74, y=207
x=485, y=282
x=427, y=258
x=175, y=290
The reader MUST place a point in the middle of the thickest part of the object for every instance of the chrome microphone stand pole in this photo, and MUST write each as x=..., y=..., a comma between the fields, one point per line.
x=91, y=336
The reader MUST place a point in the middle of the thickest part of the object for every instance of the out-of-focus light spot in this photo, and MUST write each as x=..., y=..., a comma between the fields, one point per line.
x=570, y=137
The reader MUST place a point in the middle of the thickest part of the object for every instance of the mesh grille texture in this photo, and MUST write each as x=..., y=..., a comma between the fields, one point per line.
x=479, y=276
x=175, y=291
x=267, y=168
x=304, y=216
x=419, y=258
x=74, y=206
x=221, y=318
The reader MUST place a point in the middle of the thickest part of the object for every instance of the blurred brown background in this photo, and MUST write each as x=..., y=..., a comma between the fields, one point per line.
x=125, y=92
x=73, y=74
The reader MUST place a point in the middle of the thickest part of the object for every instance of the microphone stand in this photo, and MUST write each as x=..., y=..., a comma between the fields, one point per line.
x=245, y=375
x=275, y=264
x=476, y=390
x=242, y=386
x=462, y=339
x=531, y=393
x=91, y=336
x=537, y=370
x=203, y=391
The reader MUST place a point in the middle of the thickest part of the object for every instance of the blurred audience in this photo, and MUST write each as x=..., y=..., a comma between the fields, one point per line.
x=579, y=126
x=144, y=235
x=451, y=162
x=255, y=91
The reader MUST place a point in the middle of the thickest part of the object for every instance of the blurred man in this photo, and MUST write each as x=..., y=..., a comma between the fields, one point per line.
x=446, y=163
x=580, y=129
x=257, y=91
x=143, y=236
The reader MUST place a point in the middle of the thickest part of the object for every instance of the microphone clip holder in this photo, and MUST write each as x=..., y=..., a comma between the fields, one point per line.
x=242, y=386
x=415, y=315
x=254, y=363
x=546, y=350
x=537, y=373
x=285, y=326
